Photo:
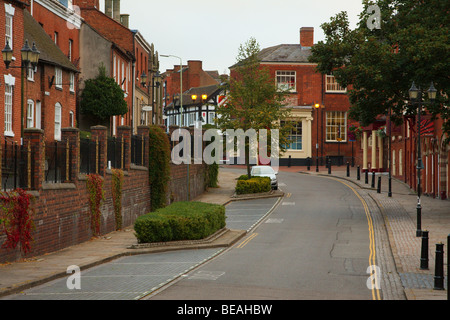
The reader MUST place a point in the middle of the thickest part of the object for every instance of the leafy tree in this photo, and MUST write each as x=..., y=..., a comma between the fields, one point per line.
x=102, y=97
x=254, y=101
x=378, y=65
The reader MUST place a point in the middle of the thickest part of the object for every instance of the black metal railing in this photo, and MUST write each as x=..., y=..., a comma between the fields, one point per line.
x=57, y=161
x=16, y=165
x=138, y=144
x=89, y=156
x=115, y=154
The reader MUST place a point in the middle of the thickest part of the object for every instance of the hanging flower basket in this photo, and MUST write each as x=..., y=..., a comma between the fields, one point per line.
x=354, y=132
x=381, y=132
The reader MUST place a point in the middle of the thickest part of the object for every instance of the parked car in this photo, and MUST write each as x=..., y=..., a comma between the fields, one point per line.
x=266, y=171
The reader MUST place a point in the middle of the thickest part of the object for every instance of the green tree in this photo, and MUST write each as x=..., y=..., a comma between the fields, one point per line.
x=253, y=99
x=378, y=65
x=102, y=97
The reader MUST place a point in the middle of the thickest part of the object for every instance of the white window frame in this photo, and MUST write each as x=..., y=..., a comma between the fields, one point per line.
x=9, y=93
x=38, y=114
x=30, y=74
x=58, y=77
x=283, y=79
x=9, y=17
x=333, y=124
x=30, y=113
x=58, y=118
x=295, y=134
x=71, y=119
x=331, y=85
x=72, y=82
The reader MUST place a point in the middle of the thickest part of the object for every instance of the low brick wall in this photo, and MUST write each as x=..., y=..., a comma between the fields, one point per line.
x=61, y=210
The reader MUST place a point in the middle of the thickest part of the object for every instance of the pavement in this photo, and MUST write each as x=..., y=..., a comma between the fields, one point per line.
x=399, y=213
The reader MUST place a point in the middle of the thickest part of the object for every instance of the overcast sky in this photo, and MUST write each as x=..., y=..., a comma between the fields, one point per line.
x=212, y=30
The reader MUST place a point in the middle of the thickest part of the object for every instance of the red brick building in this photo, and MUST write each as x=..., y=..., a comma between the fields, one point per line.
x=11, y=31
x=50, y=89
x=48, y=98
x=318, y=133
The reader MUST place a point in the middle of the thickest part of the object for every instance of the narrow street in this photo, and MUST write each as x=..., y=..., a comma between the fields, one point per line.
x=317, y=242
x=315, y=245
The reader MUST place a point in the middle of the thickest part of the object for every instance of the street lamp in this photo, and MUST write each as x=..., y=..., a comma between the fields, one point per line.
x=30, y=56
x=415, y=95
x=317, y=106
x=181, y=85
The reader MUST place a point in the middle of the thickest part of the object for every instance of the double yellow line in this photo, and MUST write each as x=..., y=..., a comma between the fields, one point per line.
x=243, y=243
x=372, y=256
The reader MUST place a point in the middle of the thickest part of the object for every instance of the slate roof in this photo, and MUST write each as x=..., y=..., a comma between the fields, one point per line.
x=49, y=52
x=284, y=53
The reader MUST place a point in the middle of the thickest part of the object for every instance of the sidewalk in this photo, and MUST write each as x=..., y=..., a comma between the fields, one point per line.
x=400, y=215
x=22, y=275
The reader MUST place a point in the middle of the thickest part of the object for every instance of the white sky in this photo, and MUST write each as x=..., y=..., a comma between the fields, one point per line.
x=212, y=30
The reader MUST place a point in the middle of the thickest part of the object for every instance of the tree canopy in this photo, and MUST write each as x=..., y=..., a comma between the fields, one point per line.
x=253, y=100
x=102, y=97
x=379, y=63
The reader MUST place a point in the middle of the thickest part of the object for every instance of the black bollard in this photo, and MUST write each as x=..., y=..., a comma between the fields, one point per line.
x=289, y=162
x=424, y=252
x=308, y=160
x=329, y=166
x=373, y=179
x=439, y=267
x=367, y=176
x=348, y=169
x=379, y=185
x=358, y=174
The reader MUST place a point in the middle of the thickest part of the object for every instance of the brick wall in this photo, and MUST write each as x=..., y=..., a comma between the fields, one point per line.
x=61, y=210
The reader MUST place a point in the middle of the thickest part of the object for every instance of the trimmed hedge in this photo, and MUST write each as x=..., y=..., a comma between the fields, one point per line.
x=180, y=221
x=253, y=185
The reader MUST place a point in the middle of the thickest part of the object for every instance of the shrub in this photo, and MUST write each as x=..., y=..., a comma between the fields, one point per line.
x=180, y=221
x=253, y=185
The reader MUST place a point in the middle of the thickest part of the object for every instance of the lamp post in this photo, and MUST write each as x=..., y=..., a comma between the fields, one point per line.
x=181, y=85
x=415, y=95
x=156, y=82
x=390, y=155
x=30, y=58
x=317, y=106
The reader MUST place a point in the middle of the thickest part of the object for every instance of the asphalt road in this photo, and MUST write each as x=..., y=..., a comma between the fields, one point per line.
x=315, y=245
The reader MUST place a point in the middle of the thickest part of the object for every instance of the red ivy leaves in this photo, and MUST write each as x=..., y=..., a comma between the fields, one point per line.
x=96, y=196
x=17, y=221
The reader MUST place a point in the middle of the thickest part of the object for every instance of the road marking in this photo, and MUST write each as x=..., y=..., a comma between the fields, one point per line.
x=288, y=195
x=207, y=275
x=272, y=220
x=288, y=204
x=244, y=243
x=375, y=292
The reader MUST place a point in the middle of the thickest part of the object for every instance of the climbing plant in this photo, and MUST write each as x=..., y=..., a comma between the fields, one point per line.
x=16, y=219
x=116, y=190
x=159, y=166
x=96, y=196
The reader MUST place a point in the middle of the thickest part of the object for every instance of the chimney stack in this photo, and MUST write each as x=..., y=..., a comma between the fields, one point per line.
x=125, y=20
x=307, y=36
x=116, y=10
x=109, y=8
